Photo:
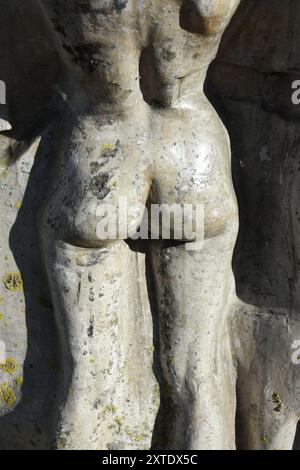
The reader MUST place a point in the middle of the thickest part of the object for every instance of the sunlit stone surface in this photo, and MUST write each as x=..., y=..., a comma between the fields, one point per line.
x=114, y=344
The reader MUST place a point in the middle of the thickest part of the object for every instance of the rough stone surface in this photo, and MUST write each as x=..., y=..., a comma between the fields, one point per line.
x=250, y=85
x=115, y=345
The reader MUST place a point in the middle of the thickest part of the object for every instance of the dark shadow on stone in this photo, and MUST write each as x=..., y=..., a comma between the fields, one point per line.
x=26, y=426
x=29, y=68
x=163, y=422
x=296, y=445
x=164, y=418
x=32, y=71
x=190, y=19
x=151, y=84
x=263, y=130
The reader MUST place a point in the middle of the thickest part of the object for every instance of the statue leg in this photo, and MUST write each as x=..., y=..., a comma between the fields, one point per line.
x=195, y=291
x=98, y=288
x=103, y=321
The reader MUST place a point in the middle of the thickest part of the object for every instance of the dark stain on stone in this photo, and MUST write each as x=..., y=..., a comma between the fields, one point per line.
x=168, y=55
x=66, y=289
x=99, y=185
x=85, y=55
x=119, y=5
x=95, y=167
x=88, y=50
x=92, y=295
x=78, y=291
x=90, y=330
x=97, y=404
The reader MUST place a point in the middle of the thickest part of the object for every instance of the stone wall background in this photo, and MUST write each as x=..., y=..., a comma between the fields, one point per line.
x=249, y=85
x=30, y=68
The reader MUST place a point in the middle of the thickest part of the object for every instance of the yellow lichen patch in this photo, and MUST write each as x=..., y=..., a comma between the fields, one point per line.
x=110, y=408
x=1, y=299
x=10, y=366
x=19, y=380
x=108, y=147
x=140, y=437
x=119, y=420
x=114, y=322
x=7, y=395
x=1, y=316
x=18, y=204
x=59, y=444
x=13, y=281
x=137, y=437
x=3, y=173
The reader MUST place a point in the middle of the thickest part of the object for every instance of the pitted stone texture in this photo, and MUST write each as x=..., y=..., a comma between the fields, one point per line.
x=251, y=86
x=95, y=387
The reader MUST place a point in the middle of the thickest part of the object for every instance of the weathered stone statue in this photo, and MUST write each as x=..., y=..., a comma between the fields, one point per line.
x=154, y=349
x=139, y=126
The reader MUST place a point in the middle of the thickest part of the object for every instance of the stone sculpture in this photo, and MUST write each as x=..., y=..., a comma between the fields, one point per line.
x=133, y=122
x=159, y=142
